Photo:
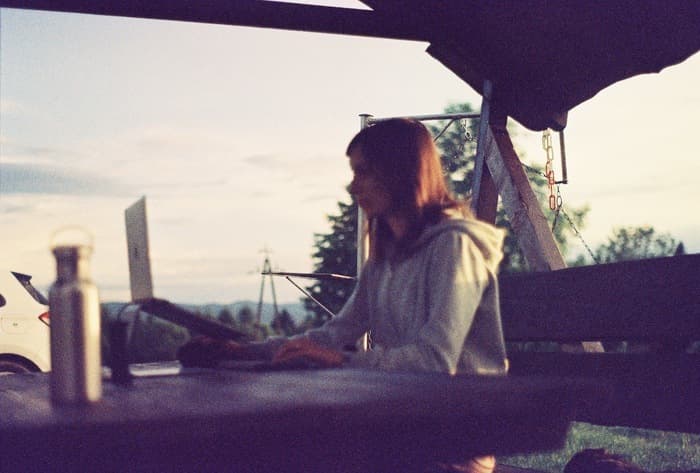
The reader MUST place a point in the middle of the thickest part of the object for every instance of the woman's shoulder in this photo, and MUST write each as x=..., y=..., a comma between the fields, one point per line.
x=451, y=226
x=466, y=234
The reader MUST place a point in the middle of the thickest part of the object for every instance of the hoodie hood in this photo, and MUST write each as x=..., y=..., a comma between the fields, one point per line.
x=488, y=238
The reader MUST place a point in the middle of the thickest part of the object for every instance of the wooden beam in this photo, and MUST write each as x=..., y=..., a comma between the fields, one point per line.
x=650, y=391
x=646, y=300
x=256, y=13
x=519, y=200
x=484, y=193
x=485, y=208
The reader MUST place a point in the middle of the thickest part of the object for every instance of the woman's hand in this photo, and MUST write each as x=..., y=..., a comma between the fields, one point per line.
x=304, y=352
x=207, y=352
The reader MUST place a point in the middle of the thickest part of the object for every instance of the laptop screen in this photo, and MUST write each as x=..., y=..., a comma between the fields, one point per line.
x=137, y=246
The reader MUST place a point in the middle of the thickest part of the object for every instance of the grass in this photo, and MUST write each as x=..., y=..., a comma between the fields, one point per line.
x=651, y=450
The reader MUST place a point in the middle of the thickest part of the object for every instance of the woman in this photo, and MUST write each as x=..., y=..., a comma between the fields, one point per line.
x=428, y=294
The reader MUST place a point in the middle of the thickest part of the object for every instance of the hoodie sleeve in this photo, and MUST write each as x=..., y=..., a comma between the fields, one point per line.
x=348, y=325
x=456, y=277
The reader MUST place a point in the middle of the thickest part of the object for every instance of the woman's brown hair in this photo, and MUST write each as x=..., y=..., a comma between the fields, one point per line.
x=401, y=153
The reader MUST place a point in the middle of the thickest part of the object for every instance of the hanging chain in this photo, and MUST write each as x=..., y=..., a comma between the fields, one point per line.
x=554, y=199
x=580, y=237
x=559, y=205
x=462, y=124
x=462, y=143
x=560, y=209
x=466, y=134
x=468, y=137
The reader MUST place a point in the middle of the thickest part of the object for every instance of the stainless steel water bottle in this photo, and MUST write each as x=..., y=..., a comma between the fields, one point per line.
x=76, y=364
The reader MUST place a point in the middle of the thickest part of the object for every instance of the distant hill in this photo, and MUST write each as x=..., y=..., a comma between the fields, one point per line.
x=296, y=310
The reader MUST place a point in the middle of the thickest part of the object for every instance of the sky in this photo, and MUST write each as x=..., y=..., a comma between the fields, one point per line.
x=236, y=136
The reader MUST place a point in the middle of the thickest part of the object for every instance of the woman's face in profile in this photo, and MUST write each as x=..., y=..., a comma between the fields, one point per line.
x=370, y=192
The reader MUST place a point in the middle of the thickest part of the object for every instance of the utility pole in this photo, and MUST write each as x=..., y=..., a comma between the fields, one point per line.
x=266, y=270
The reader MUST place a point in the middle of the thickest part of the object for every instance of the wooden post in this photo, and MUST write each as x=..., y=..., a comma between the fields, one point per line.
x=485, y=207
x=519, y=200
x=484, y=194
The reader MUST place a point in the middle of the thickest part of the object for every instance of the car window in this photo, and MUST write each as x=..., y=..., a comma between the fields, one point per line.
x=25, y=281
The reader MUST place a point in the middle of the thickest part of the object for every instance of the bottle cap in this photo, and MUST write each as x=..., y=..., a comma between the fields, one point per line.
x=71, y=240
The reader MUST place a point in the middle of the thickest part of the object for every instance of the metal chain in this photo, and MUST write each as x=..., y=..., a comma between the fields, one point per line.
x=556, y=219
x=560, y=209
x=555, y=200
x=462, y=143
x=468, y=137
x=580, y=237
x=549, y=169
x=559, y=204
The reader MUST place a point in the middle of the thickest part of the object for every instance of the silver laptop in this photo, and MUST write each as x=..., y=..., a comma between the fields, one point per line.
x=140, y=276
x=141, y=282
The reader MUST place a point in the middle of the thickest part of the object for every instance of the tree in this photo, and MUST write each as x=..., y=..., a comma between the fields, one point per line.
x=245, y=316
x=155, y=340
x=632, y=243
x=248, y=324
x=226, y=317
x=336, y=252
x=283, y=324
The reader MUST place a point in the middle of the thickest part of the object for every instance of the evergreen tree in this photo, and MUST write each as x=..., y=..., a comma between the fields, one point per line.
x=283, y=324
x=336, y=252
x=245, y=316
x=226, y=317
x=248, y=324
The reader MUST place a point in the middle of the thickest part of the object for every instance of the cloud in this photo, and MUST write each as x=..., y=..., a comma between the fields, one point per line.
x=266, y=161
x=7, y=208
x=18, y=178
x=13, y=152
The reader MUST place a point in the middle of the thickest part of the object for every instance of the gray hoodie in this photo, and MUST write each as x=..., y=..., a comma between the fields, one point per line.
x=433, y=310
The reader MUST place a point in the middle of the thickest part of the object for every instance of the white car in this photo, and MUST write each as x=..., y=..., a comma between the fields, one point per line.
x=24, y=325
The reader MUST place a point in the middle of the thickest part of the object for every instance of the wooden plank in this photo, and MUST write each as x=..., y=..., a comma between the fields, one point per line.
x=487, y=205
x=652, y=300
x=650, y=391
x=484, y=193
x=255, y=13
x=327, y=420
x=519, y=201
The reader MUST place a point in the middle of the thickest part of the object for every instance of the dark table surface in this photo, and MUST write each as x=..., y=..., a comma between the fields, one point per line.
x=301, y=420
